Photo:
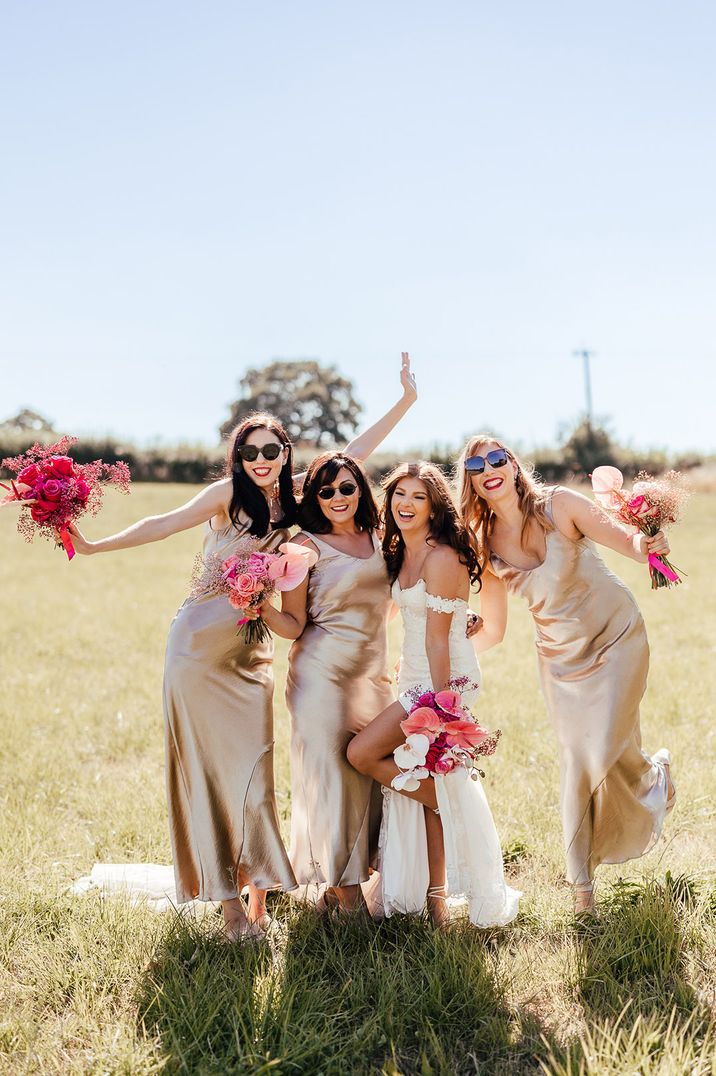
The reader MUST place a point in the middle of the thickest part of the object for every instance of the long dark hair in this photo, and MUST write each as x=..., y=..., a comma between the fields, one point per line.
x=445, y=525
x=321, y=472
x=246, y=496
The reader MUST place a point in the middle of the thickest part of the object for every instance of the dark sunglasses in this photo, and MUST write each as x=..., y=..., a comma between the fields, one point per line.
x=327, y=493
x=476, y=464
x=271, y=451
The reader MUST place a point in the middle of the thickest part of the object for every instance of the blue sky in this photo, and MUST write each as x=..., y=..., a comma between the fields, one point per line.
x=188, y=190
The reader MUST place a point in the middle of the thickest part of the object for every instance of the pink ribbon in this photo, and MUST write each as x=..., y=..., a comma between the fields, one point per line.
x=659, y=566
x=67, y=542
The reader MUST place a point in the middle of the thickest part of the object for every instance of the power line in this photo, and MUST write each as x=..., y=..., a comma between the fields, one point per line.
x=585, y=354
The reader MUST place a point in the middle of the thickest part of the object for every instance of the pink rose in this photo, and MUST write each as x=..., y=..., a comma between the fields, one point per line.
x=52, y=490
x=445, y=765
x=59, y=467
x=82, y=490
x=246, y=584
x=258, y=564
x=639, y=506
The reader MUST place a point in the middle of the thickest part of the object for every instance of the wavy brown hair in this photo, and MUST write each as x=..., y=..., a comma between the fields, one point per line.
x=245, y=494
x=445, y=525
x=475, y=512
x=321, y=472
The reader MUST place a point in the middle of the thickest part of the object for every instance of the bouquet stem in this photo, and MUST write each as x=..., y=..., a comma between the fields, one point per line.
x=254, y=631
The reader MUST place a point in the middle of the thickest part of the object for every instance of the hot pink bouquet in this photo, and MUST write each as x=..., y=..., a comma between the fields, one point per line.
x=440, y=734
x=249, y=577
x=59, y=489
x=653, y=504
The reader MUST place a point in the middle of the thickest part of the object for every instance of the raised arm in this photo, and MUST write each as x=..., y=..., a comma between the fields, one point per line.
x=365, y=443
x=493, y=610
x=578, y=516
x=209, y=502
x=444, y=578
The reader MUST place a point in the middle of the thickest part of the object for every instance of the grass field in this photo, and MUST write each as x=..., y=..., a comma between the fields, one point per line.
x=94, y=985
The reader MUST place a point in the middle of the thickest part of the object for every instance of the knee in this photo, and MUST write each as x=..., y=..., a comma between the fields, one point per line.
x=357, y=755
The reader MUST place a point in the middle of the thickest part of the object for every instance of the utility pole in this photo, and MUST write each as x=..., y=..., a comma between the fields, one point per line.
x=585, y=354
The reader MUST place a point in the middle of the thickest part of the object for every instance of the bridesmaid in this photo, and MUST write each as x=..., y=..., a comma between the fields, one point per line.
x=218, y=690
x=591, y=645
x=337, y=680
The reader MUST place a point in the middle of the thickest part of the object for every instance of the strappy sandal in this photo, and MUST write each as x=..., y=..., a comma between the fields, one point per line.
x=663, y=758
x=584, y=899
x=437, y=893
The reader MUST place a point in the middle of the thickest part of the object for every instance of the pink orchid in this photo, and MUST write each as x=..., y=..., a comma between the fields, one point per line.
x=464, y=734
x=607, y=483
x=289, y=571
x=424, y=721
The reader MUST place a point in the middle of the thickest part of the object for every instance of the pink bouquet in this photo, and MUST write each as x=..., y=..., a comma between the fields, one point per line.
x=58, y=489
x=249, y=577
x=441, y=734
x=653, y=504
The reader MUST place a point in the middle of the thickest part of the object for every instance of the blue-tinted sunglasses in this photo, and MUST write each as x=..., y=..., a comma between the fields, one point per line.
x=476, y=464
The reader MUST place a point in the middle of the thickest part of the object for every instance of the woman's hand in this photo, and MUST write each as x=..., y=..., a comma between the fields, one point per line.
x=12, y=499
x=407, y=379
x=657, y=545
x=474, y=624
x=82, y=546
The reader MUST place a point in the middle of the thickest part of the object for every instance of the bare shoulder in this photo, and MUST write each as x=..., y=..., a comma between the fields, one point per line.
x=443, y=563
x=305, y=539
x=571, y=510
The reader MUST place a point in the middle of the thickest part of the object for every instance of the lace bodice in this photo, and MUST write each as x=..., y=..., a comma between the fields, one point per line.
x=414, y=603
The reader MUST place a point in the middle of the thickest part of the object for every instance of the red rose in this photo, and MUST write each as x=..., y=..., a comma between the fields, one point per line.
x=434, y=753
x=60, y=466
x=52, y=490
x=82, y=490
x=29, y=475
x=40, y=513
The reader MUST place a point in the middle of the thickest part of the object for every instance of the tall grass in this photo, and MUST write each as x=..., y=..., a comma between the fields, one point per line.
x=96, y=985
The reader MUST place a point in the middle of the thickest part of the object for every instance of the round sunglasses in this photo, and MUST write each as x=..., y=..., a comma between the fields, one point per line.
x=327, y=493
x=476, y=464
x=271, y=451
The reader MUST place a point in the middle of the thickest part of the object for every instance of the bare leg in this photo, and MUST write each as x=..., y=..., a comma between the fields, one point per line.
x=350, y=897
x=257, y=904
x=371, y=752
x=236, y=922
x=436, y=863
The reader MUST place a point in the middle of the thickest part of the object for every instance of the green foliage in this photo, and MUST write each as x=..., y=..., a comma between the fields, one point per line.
x=313, y=402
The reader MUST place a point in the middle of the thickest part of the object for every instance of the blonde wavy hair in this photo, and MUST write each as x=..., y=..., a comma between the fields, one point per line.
x=475, y=512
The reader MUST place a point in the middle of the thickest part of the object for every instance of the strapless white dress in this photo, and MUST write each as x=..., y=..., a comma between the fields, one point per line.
x=472, y=847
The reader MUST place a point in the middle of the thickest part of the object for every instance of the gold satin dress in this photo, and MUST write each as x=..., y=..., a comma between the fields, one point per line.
x=337, y=683
x=218, y=706
x=593, y=658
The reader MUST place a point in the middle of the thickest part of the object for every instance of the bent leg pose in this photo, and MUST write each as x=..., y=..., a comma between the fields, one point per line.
x=591, y=645
x=432, y=564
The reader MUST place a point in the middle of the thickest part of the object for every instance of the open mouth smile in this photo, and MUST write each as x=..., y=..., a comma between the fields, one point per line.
x=406, y=515
x=262, y=472
x=493, y=483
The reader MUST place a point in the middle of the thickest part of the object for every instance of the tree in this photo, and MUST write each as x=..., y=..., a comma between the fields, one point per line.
x=313, y=402
x=27, y=422
x=588, y=446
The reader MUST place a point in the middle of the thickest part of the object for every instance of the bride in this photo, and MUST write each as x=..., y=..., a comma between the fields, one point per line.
x=440, y=839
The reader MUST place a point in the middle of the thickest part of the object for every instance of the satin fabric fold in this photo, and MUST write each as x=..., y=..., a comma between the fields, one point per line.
x=337, y=683
x=218, y=704
x=593, y=658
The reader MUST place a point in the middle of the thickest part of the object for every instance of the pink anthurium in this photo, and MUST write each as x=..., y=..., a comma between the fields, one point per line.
x=289, y=571
x=450, y=702
x=607, y=482
x=424, y=721
x=464, y=734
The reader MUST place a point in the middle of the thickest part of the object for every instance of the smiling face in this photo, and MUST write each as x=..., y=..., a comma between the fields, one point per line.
x=342, y=507
x=264, y=473
x=410, y=505
x=495, y=483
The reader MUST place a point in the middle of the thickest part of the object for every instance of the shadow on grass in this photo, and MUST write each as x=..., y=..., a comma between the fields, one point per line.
x=335, y=997
x=631, y=980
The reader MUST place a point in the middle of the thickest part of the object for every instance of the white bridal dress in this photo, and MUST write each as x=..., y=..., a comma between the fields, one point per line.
x=472, y=847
